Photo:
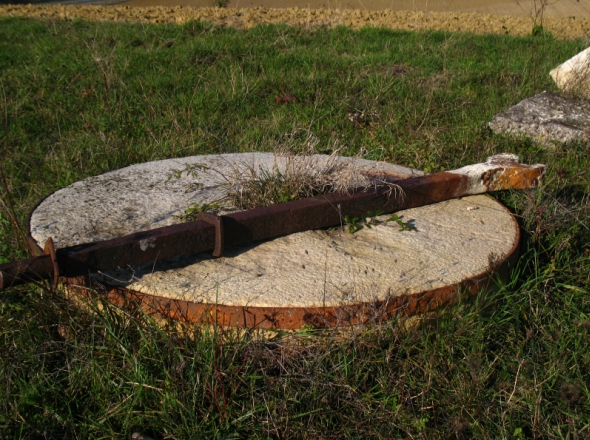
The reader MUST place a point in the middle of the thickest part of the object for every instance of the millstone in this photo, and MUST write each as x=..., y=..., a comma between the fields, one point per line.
x=315, y=277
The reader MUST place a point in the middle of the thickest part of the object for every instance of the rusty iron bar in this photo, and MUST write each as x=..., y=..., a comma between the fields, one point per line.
x=328, y=210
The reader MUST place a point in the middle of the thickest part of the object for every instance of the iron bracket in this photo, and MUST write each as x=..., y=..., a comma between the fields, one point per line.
x=217, y=221
x=50, y=250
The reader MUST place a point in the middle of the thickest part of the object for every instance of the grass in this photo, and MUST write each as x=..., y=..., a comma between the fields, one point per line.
x=292, y=177
x=80, y=98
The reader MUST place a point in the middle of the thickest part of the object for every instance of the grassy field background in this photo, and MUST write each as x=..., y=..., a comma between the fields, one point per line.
x=80, y=98
x=518, y=19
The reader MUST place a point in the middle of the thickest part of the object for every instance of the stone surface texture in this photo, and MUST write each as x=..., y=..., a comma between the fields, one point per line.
x=573, y=76
x=546, y=118
x=453, y=241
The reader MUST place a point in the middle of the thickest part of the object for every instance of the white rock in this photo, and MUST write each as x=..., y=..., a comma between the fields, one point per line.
x=547, y=118
x=574, y=75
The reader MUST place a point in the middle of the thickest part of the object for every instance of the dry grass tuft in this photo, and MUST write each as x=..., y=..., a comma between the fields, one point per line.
x=296, y=176
x=293, y=176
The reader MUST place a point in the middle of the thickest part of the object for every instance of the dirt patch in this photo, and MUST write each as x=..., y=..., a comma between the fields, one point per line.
x=560, y=27
x=527, y=8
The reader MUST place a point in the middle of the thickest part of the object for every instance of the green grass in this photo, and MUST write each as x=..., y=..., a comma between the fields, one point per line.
x=78, y=99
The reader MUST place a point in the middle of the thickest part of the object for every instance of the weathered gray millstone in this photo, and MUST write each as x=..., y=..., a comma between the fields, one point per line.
x=453, y=241
x=546, y=118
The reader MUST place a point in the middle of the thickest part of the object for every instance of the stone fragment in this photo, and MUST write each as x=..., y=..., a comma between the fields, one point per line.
x=547, y=118
x=573, y=76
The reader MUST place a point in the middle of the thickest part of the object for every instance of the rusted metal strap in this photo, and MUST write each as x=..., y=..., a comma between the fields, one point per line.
x=217, y=221
x=43, y=267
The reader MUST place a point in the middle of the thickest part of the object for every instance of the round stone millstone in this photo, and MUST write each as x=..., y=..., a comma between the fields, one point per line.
x=322, y=277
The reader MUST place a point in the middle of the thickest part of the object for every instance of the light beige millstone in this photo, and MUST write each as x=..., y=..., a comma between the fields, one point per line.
x=453, y=241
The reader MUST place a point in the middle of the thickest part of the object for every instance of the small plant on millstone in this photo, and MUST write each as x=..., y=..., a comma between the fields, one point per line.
x=190, y=170
x=355, y=224
x=402, y=226
x=373, y=220
x=192, y=212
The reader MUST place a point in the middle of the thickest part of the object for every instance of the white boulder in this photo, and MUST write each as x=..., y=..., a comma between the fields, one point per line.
x=574, y=75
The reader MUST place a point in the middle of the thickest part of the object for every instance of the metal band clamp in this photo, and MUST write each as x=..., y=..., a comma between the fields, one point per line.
x=215, y=220
x=50, y=250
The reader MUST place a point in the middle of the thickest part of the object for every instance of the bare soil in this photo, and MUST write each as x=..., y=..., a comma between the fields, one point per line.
x=565, y=19
x=559, y=8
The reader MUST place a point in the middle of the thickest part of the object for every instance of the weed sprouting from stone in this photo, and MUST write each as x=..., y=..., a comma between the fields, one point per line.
x=292, y=177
